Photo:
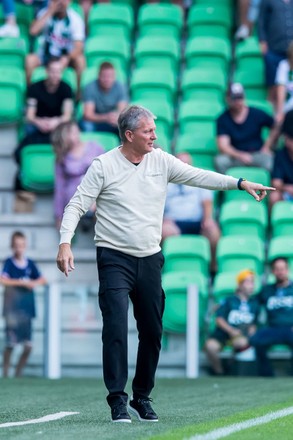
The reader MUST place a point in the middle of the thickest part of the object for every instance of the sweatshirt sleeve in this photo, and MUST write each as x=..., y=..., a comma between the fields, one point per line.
x=85, y=195
x=180, y=172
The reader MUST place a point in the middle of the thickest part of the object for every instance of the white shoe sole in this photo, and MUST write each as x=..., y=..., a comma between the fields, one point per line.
x=135, y=413
x=121, y=421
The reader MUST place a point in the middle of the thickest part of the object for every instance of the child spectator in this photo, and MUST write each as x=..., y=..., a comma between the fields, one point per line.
x=20, y=276
x=235, y=321
x=73, y=157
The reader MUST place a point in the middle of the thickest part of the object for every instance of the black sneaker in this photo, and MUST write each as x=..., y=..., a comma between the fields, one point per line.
x=119, y=413
x=141, y=408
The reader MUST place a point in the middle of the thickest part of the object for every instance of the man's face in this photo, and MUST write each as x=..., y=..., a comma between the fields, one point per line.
x=281, y=271
x=143, y=137
x=106, y=78
x=54, y=73
x=236, y=104
x=62, y=5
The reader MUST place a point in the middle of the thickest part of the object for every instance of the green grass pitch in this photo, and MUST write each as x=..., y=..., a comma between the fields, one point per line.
x=185, y=407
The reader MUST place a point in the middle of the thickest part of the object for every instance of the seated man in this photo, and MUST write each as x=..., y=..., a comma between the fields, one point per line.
x=236, y=320
x=239, y=134
x=62, y=35
x=49, y=102
x=189, y=210
x=104, y=98
x=282, y=174
x=278, y=301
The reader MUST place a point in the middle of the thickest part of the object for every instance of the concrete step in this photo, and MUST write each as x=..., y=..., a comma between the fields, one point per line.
x=9, y=139
x=8, y=170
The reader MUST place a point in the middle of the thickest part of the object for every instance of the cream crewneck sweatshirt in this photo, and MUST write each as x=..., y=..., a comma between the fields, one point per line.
x=130, y=198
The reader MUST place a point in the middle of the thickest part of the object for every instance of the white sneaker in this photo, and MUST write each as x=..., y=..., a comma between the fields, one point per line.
x=9, y=30
x=242, y=32
x=247, y=355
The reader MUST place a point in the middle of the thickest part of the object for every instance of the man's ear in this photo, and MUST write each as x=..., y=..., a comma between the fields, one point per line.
x=129, y=135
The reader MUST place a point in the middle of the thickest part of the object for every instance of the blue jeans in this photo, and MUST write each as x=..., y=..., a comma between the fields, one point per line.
x=8, y=8
x=272, y=60
x=263, y=339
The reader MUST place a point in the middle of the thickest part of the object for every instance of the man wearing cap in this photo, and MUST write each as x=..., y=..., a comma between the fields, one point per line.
x=278, y=301
x=239, y=134
x=236, y=320
x=282, y=174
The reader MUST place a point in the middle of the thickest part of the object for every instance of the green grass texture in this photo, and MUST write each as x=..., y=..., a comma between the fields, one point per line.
x=186, y=407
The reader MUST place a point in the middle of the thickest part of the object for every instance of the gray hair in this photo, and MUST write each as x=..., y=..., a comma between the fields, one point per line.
x=130, y=118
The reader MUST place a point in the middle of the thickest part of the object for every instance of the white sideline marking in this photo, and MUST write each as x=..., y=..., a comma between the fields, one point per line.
x=227, y=430
x=44, y=419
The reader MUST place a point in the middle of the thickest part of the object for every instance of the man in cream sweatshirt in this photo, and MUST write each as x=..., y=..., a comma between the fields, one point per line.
x=129, y=185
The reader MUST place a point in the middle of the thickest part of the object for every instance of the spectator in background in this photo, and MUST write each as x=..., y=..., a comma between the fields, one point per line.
x=243, y=30
x=278, y=301
x=20, y=276
x=189, y=210
x=284, y=84
x=104, y=98
x=239, y=134
x=62, y=35
x=275, y=29
x=9, y=28
x=49, y=102
x=236, y=320
x=73, y=157
x=282, y=174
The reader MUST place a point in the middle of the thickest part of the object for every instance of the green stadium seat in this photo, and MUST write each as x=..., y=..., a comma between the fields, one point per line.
x=187, y=252
x=160, y=19
x=150, y=83
x=263, y=104
x=202, y=150
x=108, y=19
x=91, y=73
x=175, y=286
x=225, y=284
x=12, y=92
x=249, y=57
x=247, y=218
x=208, y=52
x=210, y=21
x=227, y=3
x=164, y=113
x=282, y=219
x=114, y=50
x=37, y=168
x=12, y=52
x=203, y=84
x=153, y=51
x=254, y=174
x=107, y=140
x=238, y=252
x=281, y=247
x=164, y=142
x=253, y=83
x=68, y=76
x=199, y=117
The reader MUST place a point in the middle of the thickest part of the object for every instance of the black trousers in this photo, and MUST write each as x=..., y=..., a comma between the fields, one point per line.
x=122, y=277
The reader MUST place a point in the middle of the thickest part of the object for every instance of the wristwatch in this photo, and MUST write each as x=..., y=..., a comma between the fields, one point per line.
x=239, y=183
